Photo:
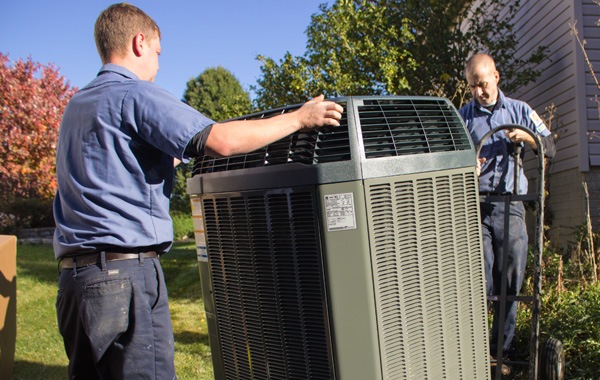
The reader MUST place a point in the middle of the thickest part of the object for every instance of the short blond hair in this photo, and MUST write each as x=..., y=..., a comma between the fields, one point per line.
x=117, y=25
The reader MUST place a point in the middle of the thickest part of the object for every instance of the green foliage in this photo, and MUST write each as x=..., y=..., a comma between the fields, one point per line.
x=570, y=306
x=25, y=213
x=217, y=94
x=292, y=81
x=413, y=47
x=368, y=55
x=180, y=201
x=352, y=49
x=183, y=225
x=573, y=317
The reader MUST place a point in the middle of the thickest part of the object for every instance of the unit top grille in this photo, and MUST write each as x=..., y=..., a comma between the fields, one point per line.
x=329, y=144
x=398, y=127
x=388, y=126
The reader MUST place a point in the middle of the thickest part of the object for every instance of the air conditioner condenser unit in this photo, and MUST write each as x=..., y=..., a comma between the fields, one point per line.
x=349, y=252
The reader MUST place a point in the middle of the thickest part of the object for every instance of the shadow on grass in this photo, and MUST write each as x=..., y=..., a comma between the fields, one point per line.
x=191, y=338
x=182, y=275
x=25, y=370
x=37, y=261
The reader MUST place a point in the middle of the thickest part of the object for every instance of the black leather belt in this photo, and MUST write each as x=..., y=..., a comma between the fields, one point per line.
x=94, y=258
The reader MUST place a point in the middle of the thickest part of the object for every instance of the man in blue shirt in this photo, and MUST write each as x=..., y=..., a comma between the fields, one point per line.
x=490, y=109
x=119, y=140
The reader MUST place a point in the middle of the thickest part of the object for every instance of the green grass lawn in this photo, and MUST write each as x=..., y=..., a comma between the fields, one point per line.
x=572, y=316
x=39, y=350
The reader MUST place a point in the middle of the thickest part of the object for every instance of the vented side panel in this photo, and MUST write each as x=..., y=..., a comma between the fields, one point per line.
x=266, y=267
x=428, y=270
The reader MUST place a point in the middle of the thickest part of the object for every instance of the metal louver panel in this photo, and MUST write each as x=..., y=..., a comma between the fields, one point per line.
x=404, y=126
x=266, y=267
x=424, y=240
x=329, y=144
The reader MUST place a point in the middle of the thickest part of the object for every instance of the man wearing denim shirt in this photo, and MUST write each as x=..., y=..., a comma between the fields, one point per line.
x=489, y=109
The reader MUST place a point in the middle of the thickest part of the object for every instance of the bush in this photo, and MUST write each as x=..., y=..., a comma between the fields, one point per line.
x=37, y=213
x=570, y=310
x=183, y=225
x=573, y=317
x=25, y=213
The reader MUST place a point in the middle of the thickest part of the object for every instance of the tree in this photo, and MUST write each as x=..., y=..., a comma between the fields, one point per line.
x=443, y=44
x=416, y=47
x=32, y=100
x=352, y=49
x=217, y=94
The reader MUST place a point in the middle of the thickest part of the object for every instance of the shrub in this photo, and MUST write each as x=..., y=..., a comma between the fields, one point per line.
x=570, y=310
x=183, y=225
x=25, y=213
x=573, y=317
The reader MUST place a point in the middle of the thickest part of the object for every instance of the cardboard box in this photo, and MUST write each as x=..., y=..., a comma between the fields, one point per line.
x=8, y=304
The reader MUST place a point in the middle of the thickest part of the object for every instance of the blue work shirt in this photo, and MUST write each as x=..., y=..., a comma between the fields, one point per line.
x=114, y=163
x=497, y=173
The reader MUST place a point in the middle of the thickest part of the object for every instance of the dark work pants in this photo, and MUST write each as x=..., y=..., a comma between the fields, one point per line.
x=492, y=218
x=115, y=321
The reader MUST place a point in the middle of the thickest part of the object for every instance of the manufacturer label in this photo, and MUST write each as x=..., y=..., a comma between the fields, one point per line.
x=340, y=212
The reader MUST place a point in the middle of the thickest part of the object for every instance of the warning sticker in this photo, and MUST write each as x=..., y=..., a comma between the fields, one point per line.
x=196, y=205
x=340, y=212
x=199, y=233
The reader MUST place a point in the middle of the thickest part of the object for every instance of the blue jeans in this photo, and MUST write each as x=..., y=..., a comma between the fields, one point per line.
x=115, y=321
x=492, y=219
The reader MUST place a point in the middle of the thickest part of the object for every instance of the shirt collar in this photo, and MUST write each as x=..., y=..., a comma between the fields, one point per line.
x=499, y=103
x=111, y=67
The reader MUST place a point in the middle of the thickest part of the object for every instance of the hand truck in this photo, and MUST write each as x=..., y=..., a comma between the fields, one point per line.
x=548, y=361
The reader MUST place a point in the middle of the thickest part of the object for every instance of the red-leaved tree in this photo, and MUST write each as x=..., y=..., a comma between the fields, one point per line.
x=32, y=100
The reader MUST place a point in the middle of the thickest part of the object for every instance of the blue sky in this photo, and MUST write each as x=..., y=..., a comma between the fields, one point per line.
x=197, y=34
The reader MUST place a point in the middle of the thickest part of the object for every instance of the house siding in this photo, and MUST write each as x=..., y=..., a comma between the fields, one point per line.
x=590, y=14
x=566, y=84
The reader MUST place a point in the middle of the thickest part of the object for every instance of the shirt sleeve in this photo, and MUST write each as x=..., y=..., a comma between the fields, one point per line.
x=549, y=146
x=196, y=145
x=161, y=119
x=539, y=127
